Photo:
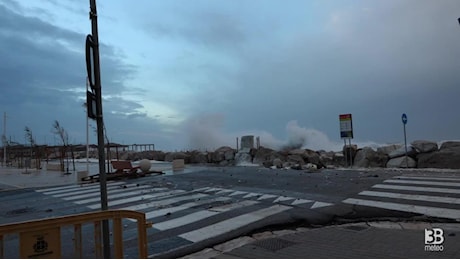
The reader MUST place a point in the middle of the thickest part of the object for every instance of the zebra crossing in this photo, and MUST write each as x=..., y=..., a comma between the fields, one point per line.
x=190, y=216
x=433, y=196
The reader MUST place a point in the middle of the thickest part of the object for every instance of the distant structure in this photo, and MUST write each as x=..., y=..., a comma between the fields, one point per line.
x=247, y=141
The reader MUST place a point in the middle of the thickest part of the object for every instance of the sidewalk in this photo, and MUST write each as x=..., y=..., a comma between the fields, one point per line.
x=358, y=240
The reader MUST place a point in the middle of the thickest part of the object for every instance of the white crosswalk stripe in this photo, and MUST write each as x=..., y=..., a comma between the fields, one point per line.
x=433, y=196
x=232, y=224
x=173, y=209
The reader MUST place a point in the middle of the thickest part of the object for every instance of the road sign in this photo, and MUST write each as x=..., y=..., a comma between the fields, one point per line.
x=404, y=118
x=346, y=126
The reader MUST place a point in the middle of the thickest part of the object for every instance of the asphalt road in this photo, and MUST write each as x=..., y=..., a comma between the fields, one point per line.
x=198, y=209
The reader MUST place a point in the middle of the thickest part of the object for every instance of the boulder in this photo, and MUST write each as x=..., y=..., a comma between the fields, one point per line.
x=400, y=162
x=327, y=158
x=262, y=155
x=388, y=149
x=363, y=156
x=423, y=146
x=367, y=157
x=450, y=144
x=445, y=158
x=199, y=157
x=223, y=149
x=401, y=151
x=229, y=155
x=217, y=157
x=278, y=163
x=169, y=157
x=313, y=157
x=296, y=159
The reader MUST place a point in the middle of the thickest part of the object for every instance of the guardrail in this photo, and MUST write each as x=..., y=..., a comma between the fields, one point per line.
x=42, y=238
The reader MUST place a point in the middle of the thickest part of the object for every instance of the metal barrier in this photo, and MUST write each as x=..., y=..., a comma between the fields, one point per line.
x=42, y=238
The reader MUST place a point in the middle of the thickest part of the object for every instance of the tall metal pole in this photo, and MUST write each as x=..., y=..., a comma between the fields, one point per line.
x=100, y=127
x=87, y=136
x=4, y=138
x=405, y=146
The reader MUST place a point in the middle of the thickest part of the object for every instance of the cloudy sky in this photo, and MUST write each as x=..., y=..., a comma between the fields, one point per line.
x=197, y=74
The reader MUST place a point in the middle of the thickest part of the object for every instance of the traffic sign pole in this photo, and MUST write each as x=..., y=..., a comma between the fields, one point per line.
x=404, y=120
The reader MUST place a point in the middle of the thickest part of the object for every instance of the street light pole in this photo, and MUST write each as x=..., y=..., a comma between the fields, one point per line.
x=95, y=82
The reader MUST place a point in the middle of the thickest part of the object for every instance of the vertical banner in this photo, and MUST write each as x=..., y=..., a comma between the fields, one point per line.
x=346, y=126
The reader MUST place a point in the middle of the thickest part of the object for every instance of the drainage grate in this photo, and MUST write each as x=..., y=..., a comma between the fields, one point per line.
x=274, y=244
x=356, y=228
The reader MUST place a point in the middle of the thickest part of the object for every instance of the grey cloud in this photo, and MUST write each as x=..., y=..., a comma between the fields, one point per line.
x=43, y=72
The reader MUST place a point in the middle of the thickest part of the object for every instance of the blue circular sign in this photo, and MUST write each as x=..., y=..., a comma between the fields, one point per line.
x=404, y=118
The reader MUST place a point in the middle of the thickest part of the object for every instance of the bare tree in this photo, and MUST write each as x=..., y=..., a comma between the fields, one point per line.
x=33, y=146
x=62, y=134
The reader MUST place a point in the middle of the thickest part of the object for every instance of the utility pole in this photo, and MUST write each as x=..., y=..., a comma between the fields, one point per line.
x=4, y=139
x=94, y=77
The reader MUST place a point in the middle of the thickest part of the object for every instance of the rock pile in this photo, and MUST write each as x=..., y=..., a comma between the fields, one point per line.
x=420, y=154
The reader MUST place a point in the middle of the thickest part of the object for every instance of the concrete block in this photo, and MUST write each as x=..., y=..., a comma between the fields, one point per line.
x=178, y=164
x=247, y=141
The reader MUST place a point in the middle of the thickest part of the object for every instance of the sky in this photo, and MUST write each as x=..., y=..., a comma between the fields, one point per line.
x=197, y=74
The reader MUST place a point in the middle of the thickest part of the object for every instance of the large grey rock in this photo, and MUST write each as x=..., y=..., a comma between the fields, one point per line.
x=367, y=157
x=199, y=157
x=445, y=158
x=450, y=144
x=169, y=157
x=229, y=155
x=278, y=163
x=400, y=162
x=388, y=148
x=262, y=155
x=401, y=151
x=423, y=146
x=296, y=159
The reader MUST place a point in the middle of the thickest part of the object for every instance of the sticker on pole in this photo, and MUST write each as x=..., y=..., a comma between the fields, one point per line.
x=346, y=126
x=404, y=118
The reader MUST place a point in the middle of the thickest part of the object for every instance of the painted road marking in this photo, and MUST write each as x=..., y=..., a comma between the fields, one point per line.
x=428, y=178
x=238, y=193
x=426, y=210
x=319, y=204
x=75, y=186
x=425, y=182
x=112, y=196
x=439, y=199
x=132, y=199
x=162, y=212
x=252, y=194
x=200, y=215
x=97, y=191
x=267, y=196
x=232, y=224
x=283, y=198
x=79, y=189
x=164, y=202
x=300, y=201
x=110, y=190
x=413, y=188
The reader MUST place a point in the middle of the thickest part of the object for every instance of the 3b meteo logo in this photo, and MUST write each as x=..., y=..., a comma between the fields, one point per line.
x=434, y=239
